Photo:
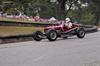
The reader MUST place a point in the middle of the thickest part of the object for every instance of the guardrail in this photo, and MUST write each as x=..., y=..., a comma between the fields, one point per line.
x=90, y=28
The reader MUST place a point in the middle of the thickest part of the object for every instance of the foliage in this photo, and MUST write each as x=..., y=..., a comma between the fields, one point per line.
x=47, y=9
x=87, y=18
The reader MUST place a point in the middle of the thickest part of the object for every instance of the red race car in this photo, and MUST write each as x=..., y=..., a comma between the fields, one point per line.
x=55, y=31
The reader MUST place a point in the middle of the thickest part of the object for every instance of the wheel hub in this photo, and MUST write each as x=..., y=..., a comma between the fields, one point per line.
x=53, y=35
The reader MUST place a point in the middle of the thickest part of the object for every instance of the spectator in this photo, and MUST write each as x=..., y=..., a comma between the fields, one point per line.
x=1, y=13
x=37, y=18
x=52, y=20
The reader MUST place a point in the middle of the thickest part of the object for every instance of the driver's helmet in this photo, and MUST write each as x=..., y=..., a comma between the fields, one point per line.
x=67, y=20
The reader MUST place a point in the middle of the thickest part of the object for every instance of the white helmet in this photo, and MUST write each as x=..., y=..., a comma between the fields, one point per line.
x=67, y=20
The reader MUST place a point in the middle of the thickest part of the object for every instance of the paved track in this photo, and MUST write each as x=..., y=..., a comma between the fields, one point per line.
x=69, y=52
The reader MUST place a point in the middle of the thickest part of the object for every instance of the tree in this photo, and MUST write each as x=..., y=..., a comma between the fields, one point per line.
x=96, y=8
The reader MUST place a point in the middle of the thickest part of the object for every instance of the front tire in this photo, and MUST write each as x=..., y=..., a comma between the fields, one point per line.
x=36, y=35
x=51, y=35
x=81, y=33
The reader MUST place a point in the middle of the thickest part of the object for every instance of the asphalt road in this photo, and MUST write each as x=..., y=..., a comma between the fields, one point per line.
x=69, y=52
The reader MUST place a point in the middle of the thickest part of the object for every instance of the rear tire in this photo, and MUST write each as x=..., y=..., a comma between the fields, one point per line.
x=36, y=35
x=51, y=35
x=81, y=33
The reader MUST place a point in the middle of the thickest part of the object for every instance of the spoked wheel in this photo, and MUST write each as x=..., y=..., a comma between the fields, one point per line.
x=81, y=33
x=51, y=35
x=37, y=35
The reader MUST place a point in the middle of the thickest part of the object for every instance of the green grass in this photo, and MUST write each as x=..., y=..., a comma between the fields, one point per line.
x=13, y=30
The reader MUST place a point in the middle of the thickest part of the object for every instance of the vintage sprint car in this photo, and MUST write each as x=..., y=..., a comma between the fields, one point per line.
x=59, y=31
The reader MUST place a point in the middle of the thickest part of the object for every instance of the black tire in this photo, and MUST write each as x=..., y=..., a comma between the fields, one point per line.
x=81, y=33
x=36, y=35
x=51, y=35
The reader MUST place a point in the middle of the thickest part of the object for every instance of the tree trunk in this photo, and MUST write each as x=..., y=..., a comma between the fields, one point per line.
x=97, y=19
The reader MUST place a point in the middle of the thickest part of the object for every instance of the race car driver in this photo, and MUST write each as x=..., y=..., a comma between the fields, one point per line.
x=68, y=23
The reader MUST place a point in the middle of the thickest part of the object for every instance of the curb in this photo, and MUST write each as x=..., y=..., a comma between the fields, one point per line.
x=12, y=39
